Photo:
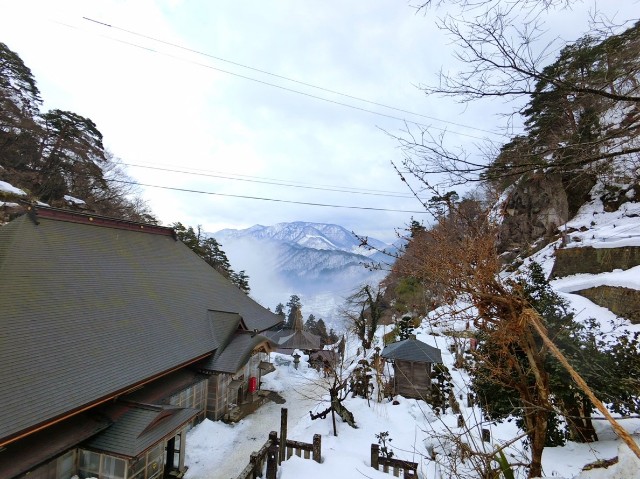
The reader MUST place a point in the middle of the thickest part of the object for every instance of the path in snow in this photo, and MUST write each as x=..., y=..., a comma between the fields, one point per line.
x=219, y=451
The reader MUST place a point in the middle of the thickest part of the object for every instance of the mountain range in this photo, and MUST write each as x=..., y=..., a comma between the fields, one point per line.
x=321, y=263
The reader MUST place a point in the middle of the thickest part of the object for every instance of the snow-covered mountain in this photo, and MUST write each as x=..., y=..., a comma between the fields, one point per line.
x=321, y=263
x=319, y=236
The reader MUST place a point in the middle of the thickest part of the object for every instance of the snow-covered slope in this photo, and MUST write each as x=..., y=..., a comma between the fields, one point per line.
x=412, y=424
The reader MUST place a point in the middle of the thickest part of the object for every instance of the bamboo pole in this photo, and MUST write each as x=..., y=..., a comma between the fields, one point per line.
x=533, y=317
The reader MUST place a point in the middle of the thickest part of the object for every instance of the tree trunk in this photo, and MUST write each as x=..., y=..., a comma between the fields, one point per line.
x=578, y=416
x=344, y=413
x=333, y=418
x=537, y=432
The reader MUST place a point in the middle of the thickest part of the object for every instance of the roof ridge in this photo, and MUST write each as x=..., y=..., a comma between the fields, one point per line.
x=59, y=214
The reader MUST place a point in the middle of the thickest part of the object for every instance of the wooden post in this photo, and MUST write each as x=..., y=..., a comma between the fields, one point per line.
x=375, y=454
x=317, y=448
x=256, y=471
x=272, y=461
x=469, y=399
x=283, y=435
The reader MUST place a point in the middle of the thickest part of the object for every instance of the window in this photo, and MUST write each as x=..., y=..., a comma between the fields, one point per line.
x=66, y=464
x=192, y=397
x=89, y=464
x=112, y=467
x=93, y=464
x=155, y=461
x=137, y=467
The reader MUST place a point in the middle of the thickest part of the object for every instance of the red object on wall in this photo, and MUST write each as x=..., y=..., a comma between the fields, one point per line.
x=253, y=384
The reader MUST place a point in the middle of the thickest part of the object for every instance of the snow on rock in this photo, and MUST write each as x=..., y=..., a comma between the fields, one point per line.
x=601, y=229
x=9, y=188
x=73, y=200
x=629, y=278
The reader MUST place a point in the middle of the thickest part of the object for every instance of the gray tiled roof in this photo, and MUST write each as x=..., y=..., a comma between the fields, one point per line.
x=40, y=447
x=236, y=354
x=292, y=339
x=140, y=428
x=87, y=311
x=412, y=350
x=299, y=340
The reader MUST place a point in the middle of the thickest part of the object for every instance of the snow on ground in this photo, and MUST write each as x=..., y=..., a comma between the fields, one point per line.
x=217, y=450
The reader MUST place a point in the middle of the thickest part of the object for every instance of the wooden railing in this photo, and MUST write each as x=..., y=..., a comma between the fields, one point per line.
x=304, y=449
x=273, y=453
x=267, y=453
x=409, y=469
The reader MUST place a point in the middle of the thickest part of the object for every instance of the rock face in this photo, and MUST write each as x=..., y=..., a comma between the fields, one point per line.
x=623, y=302
x=594, y=260
x=534, y=209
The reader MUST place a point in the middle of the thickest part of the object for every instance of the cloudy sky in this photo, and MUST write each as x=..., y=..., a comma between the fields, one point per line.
x=243, y=101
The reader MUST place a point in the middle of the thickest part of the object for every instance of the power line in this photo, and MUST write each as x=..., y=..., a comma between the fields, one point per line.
x=306, y=203
x=291, y=90
x=276, y=182
x=282, y=77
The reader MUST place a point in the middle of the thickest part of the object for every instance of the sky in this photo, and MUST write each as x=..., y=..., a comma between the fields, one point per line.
x=256, y=107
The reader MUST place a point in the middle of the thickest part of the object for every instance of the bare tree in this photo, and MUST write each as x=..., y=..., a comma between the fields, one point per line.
x=363, y=311
x=582, y=105
x=334, y=386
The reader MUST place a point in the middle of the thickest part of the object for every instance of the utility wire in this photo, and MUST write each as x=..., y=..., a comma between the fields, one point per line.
x=328, y=90
x=277, y=182
x=291, y=90
x=306, y=203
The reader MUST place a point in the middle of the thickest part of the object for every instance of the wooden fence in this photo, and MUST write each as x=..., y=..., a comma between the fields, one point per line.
x=275, y=450
x=304, y=449
x=409, y=469
x=267, y=453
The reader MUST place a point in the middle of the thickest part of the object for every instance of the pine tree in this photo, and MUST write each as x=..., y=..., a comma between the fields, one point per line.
x=404, y=327
x=311, y=324
x=322, y=332
x=58, y=153
x=211, y=252
x=588, y=353
x=20, y=129
x=294, y=305
x=280, y=310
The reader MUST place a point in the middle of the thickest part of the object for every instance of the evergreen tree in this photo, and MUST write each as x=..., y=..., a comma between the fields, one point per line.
x=280, y=310
x=404, y=327
x=589, y=354
x=415, y=227
x=322, y=332
x=211, y=252
x=58, y=153
x=20, y=102
x=241, y=280
x=72, y=156
x=294, y=305
x=311, y=324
